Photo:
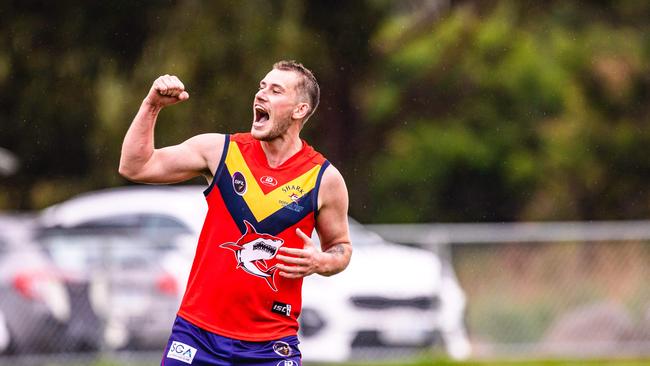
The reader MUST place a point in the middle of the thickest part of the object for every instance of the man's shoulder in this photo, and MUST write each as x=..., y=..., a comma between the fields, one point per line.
x=207, y=140
x=242, y=137
x=332, y=174
x=333, y=191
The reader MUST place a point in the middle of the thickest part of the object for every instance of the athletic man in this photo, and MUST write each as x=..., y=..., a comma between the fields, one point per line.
x=268, y=190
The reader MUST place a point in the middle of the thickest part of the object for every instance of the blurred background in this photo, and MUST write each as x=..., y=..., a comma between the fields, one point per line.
x=498, y=147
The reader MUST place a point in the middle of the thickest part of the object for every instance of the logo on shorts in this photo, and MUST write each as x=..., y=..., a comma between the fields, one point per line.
x=282, y=309
x=282, y=348
x=287, y=363
x=267, y=180
x=182, y=352
x=239, y=183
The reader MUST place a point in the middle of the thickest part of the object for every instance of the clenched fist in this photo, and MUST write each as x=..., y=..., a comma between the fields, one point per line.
x=166, y=90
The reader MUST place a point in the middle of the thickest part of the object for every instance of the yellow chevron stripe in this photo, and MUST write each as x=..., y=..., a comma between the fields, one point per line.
x=264, y=205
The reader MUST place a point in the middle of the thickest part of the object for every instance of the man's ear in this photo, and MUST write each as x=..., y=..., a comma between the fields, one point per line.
x=300, y=111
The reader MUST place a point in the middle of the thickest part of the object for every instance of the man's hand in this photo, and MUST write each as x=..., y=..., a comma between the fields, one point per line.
x=303, y=262
x=166, y=90
x=141, y=162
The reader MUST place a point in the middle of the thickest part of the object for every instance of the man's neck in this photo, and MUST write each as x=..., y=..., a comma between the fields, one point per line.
x=281, y=149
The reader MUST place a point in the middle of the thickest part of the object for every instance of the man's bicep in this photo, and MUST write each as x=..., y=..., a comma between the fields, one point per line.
x=173, y=164
x=183, y=161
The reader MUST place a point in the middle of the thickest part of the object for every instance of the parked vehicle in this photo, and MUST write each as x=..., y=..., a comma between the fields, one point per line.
x=42, y=308
x=135, y=296
x=4, y=334
x=390, y=295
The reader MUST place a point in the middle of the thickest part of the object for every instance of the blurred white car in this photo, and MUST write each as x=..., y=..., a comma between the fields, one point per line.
x=389, y=296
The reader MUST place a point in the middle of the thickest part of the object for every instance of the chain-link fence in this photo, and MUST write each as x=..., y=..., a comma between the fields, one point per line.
x=112, y=292
x=558, y=299
x=73, y=296
x=548, y=290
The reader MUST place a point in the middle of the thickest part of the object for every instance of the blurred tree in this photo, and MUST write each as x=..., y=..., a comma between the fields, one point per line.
x=53, y=57
x=433, y=110
x=513, y=111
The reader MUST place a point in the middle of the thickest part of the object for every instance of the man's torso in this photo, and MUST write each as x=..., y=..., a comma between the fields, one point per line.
x=253, y=210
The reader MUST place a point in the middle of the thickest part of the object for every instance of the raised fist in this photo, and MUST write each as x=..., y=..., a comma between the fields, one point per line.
x=167, y=90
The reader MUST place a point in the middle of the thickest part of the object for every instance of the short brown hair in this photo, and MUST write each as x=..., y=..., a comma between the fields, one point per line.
x=308, y=86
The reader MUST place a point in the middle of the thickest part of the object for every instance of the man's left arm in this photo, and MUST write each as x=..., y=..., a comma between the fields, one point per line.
x=333, y=231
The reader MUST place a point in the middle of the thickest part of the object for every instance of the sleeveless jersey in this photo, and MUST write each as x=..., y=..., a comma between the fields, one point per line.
x=253, y=210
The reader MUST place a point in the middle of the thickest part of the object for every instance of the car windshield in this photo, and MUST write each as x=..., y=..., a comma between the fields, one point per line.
x=359, y=235
x=86, y=251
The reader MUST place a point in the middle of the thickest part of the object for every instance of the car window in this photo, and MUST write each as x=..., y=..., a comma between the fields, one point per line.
x=121, y=221
x=153, y=224
x=359, y=235
x=86, y=251
x=167, y=224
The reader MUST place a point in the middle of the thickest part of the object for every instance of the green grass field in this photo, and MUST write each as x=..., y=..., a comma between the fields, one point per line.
x=473, y=363
x=433, y=362
x=436, y=362
x=513, y=363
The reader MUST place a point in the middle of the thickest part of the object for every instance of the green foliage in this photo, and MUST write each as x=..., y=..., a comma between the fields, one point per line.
x=483, y=111
x=543, y=106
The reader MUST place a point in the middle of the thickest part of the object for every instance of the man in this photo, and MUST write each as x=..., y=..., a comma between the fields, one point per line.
x=268, y=190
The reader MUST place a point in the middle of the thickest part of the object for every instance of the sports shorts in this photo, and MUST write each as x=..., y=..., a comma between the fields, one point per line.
x=191, y=345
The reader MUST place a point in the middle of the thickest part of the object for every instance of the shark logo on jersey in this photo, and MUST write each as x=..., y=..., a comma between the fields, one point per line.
x=252, y=251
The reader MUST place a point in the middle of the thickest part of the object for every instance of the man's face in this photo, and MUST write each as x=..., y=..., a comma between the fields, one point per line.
x=274, y=104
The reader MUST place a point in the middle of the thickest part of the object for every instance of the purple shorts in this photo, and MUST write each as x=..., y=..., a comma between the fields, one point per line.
x=191, y=345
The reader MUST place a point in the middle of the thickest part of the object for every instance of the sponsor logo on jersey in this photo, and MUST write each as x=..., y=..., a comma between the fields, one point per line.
x=252, y=251
x=280, y=308
x=269, y=181
x=282, y=348
x=287, y=363
x=294, y=192
x=239, y=183
x=182, y=352
x=292, y=188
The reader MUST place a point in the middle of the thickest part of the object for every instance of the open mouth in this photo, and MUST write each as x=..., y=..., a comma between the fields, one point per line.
x=261, y=114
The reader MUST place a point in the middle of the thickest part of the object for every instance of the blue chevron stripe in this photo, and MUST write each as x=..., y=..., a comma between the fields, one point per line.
x=219, y=169
x=275, y=223
x=317, y=186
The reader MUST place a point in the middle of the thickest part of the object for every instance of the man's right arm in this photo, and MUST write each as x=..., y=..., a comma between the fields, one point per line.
x=140, y=161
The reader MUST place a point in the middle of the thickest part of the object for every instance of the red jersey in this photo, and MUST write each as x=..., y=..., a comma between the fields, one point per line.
x=253, y=210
